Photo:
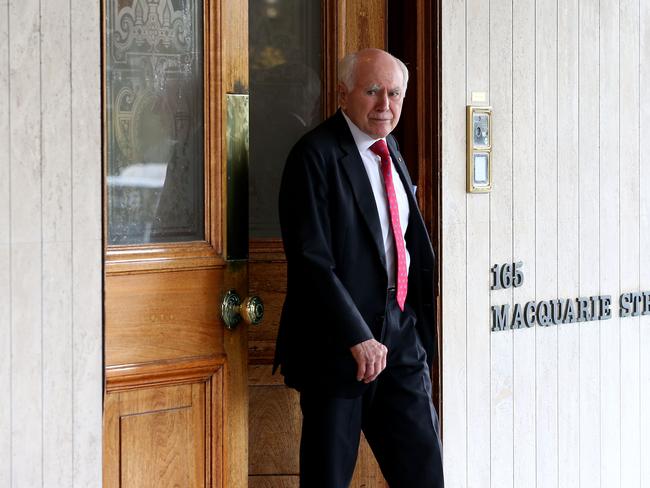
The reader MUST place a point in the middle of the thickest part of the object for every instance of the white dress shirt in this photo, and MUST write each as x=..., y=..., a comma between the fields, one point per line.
x=372, y=163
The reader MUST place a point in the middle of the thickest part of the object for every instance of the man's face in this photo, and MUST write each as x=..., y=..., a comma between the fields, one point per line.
x=375, y=102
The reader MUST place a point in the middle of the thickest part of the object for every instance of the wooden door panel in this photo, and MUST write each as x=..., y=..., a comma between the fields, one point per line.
x=163, y=315
x=268, y=280
x=165, y=435
x=157, y=450
x=159, y=446
x=275, y=431
x=275, y=425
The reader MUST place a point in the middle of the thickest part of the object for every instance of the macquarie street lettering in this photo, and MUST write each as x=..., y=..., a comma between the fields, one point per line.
x=557, y=311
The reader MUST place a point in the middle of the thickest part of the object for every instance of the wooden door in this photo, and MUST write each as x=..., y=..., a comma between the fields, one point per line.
x=176, y=398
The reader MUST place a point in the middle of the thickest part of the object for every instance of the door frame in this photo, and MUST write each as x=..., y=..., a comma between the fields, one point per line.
x=414, y=35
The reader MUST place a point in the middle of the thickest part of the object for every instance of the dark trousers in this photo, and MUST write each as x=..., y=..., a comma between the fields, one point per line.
x=395, y=413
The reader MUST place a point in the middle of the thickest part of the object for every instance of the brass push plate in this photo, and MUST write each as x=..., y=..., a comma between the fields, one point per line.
x=237, y=129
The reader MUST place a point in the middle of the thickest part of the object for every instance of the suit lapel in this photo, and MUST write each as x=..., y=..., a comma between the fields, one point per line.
x=361, y=188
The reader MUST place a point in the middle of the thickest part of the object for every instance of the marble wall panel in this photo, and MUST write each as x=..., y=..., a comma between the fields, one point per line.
x=570, y=113
x=50, y=244
x=57, y=364
x=5, y=256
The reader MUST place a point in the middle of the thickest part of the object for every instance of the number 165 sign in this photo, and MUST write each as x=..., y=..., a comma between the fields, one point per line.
x=507, y=275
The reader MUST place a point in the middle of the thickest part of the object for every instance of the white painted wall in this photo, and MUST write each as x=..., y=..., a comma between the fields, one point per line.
x=50, y=244
x=569, y=83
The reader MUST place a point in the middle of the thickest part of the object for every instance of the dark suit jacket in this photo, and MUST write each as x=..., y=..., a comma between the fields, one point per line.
x=336, y=263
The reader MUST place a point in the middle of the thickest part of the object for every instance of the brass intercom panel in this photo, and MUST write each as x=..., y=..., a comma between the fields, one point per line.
x=479, y=149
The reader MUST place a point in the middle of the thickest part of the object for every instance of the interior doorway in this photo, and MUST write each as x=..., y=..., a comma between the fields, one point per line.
x=414, y=36
x=406, y=29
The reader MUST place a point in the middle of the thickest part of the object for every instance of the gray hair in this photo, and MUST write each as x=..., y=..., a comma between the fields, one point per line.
x=349, y=61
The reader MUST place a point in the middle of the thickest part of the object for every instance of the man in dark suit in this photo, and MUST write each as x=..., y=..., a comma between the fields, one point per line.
x=357, y=333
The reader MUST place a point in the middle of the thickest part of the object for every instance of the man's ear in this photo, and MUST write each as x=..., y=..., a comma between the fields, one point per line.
x=342, y=92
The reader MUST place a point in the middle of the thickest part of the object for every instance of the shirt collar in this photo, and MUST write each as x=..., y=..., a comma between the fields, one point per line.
x=361, y=139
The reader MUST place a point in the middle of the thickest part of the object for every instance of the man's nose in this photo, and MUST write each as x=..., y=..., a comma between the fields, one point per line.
x=382, y=101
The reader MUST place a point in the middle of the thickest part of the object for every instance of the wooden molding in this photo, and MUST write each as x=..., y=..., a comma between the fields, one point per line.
x=156, y=373
x=436, y=219
x=329, y=36
x=216, y=471
x=214, y=126
x=162, y=257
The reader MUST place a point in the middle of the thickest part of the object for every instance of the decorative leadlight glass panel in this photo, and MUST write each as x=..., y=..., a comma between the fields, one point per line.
x=154, y=103
x=285, y=96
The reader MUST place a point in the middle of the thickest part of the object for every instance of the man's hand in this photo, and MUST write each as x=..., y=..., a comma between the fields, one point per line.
x=370, y=356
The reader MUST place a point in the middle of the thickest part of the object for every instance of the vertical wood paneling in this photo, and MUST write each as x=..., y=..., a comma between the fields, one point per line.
x=25, y=121
x=578, y=201
x=478, y=347
x=644, y=258
x=568, y=257
x=57, y=364
x=454, y=244
x=57, y=247
x=5, y=366
x=87, y=362
x=5, y=256
x=589, y=227
x=86, y=120
x=501, y=353
x=55, y=108
x=26, y=398
x=524, y=189
x=41, y=400
x=478, y=265
x=86, y=243
x=455, y=353
x=609, y=170
x=629, y=239
x=546, y=245
x=4, y=124
x=26, y=340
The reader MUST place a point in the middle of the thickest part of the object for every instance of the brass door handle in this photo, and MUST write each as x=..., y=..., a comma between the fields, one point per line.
x=233, y=310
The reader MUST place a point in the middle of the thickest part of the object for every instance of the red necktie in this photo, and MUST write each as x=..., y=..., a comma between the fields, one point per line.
x=381, y=150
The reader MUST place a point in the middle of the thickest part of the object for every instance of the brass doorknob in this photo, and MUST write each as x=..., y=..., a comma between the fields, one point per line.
x=233, y=310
